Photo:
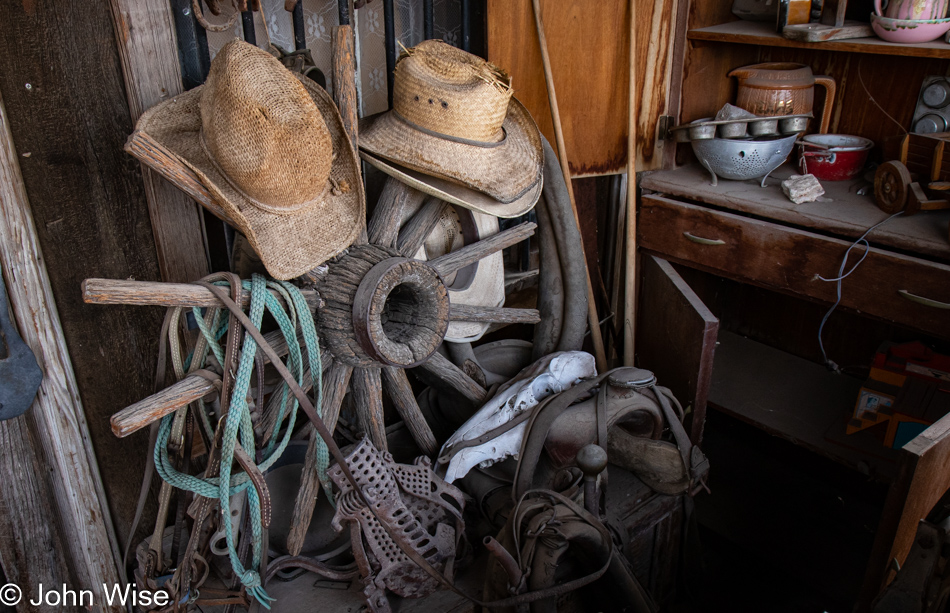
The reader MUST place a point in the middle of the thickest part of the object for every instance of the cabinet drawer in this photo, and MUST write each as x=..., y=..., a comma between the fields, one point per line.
x=903, y=289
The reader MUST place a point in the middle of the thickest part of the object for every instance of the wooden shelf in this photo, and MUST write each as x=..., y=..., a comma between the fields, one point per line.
x=762, y=33
x=841, y=212
x=797, y=400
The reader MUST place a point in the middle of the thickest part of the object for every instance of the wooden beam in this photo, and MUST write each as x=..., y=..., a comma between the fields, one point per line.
x=57, y=417
x=31, y=549
x=145, y=37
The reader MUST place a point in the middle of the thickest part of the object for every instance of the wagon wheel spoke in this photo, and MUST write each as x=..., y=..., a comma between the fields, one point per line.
x=272, y=408
x=469, y=254
x=414, y=233
x=493, y=315
x=396, y=384
x=336, y=379
x=442, y=374
x=396, y=198
x=368, y=402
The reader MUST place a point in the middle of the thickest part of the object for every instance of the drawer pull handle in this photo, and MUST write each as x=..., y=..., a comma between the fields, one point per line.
x=924, y=301
x=703, y=241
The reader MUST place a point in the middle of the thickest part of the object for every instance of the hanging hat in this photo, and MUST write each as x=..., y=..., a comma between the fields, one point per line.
x=270, y=147
x=456, y=132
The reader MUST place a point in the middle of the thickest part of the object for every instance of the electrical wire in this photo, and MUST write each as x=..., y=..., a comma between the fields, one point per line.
x=842, y=275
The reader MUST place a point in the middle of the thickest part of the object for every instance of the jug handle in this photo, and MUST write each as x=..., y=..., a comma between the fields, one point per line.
x=877, y=8
x=829, y=84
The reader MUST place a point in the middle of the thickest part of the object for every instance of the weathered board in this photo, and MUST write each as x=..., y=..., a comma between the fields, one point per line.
x=923, y=478
x=62, y=84
x=589, y=47
x=145, y=38
x=59, y=447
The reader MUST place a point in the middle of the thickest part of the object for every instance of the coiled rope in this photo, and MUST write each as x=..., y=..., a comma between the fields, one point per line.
x=236, y=424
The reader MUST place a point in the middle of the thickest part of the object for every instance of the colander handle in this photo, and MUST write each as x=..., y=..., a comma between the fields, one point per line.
x=703, y=241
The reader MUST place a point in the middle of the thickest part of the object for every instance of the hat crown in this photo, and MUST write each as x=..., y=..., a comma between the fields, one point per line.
x=263, y=130
x=452, y=92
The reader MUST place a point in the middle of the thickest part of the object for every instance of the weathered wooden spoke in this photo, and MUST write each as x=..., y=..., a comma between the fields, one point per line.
x=413, y=235
x=336, y=379
x=440, y=373
x=469, y=254
x=395, y=200
x=368, y=402
x=493, y=315
x=396, y=384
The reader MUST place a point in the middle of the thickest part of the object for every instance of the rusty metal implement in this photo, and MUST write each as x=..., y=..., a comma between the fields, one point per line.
x=416, y=506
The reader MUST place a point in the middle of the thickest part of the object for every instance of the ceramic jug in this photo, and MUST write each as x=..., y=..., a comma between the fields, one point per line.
x=782, y=88
x=912, y=9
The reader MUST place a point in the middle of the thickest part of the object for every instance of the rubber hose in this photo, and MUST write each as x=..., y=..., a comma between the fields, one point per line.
x=547, y=333
x=570, y=253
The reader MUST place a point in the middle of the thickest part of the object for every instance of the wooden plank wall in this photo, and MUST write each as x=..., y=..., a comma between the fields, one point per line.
x=61, y=81
x=892, y=82
x=588, y=43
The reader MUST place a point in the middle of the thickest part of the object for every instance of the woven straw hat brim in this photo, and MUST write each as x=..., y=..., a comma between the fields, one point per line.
x=505, y=172
x=289, y=244
x=453, y=193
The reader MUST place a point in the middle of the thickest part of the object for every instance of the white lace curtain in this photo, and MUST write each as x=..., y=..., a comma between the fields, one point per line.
x=320, y=16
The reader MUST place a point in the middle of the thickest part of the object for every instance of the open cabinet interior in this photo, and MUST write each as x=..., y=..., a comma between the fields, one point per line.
x=787, y=375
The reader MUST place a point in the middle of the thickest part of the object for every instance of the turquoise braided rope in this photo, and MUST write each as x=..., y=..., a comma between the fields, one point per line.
x=237, y=423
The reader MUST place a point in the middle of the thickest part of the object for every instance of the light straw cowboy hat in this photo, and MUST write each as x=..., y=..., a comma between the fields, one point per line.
x=456, y=132
x=270, y=147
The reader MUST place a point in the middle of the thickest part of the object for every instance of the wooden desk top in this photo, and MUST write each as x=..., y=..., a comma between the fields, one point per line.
x=840, y=212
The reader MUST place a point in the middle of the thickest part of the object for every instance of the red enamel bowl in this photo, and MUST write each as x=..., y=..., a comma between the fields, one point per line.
x=833, y=157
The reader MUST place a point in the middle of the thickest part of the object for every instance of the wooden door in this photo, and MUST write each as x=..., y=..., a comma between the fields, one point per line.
x=676, y=337
x=923, y=477
x=589, y=46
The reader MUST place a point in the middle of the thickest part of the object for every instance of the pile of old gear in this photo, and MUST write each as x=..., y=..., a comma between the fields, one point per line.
x=510, y=440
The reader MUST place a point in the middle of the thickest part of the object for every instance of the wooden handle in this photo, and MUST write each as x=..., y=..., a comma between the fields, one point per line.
x=344, y=79
x=703, y=241
x=829, y=84
x=924, y=301
x=139, y=415
x=155, y=293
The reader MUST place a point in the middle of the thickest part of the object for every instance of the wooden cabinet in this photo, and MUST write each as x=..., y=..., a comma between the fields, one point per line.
x=753, y=236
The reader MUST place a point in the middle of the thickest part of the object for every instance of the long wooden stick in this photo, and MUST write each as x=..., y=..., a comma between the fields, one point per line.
x=630, y=281
x=599, y=355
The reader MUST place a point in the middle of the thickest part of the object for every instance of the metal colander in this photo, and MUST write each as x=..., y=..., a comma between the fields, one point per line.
x=741, y=160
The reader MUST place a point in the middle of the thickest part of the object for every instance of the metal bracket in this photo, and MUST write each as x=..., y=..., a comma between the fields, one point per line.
x=663, y=125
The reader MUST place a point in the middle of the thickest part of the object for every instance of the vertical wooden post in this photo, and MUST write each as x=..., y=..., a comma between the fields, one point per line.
x=592, y=317
x=57, y=420
x=145, y=37
x=630, y=277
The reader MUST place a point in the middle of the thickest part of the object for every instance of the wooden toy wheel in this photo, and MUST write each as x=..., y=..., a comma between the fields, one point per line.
x=891, y=186
x=384, y=312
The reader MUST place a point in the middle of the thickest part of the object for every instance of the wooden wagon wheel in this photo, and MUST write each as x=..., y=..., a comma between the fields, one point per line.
x=891, y=186
x=385, y=312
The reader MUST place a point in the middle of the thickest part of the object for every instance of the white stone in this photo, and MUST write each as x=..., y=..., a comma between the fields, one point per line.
x=802, y=188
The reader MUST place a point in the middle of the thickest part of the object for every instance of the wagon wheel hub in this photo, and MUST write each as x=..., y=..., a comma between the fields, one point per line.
x=383, y=308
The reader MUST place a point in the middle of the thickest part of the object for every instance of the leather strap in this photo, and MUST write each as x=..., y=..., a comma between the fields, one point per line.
x=538, y=426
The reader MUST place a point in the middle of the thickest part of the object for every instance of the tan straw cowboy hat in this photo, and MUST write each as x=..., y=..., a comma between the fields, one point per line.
x=456, y=132
x=270, y=147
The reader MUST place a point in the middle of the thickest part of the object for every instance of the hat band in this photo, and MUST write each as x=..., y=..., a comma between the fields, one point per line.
x=454, y=139
x=282, y=210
